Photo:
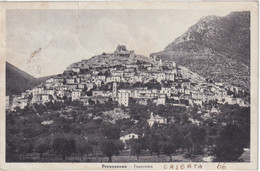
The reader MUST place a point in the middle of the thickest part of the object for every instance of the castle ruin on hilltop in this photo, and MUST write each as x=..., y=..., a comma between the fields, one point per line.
x=123, y=52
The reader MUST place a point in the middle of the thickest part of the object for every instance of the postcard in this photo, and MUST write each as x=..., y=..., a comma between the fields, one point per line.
x=129, y=85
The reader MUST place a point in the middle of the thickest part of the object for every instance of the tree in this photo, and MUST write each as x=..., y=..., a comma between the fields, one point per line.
x=120, y=145
x=83, y=147
x=111, y=147
x=111, y=131
x=96, y=140
x=186, y=140
x=124, y=123
x=228, y=144
x=24, y=147
x=197, y=135
x=108, y=106
x=169, y=148
x=136, y=146
x=42, y=148
x=138, y=111
x=39, y=108
x=64, y=146
x=156, y=141
x=49, y=105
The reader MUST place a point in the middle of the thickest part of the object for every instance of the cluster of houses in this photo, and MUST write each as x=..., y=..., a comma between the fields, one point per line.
x=101, y=84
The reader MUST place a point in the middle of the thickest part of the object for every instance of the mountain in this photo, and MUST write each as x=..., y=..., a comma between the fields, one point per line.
x=18, y=81
x=217, y=48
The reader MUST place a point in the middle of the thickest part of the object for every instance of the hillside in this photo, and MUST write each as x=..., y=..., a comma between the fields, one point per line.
x=216, y=48
x=124, y=57
x=18, y=81
x=120, y=56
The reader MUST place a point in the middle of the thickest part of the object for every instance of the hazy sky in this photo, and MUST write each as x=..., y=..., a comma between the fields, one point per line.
x=68, y=36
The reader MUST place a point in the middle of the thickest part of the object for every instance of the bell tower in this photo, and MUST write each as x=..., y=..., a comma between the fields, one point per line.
x=114, y=90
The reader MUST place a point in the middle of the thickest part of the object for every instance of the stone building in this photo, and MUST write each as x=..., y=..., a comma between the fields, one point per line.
x=123, y=97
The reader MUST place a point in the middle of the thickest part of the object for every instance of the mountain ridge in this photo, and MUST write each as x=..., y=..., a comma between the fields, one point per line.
x=217, y=48
x=18, y=81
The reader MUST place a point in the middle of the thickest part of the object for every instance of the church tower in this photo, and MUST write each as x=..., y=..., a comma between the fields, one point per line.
x=114, y=90
x=160, y=62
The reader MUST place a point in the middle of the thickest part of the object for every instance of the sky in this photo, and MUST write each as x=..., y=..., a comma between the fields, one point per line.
x=62, y=37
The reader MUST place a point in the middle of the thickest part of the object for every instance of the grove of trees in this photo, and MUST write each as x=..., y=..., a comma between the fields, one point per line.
x=74, y=134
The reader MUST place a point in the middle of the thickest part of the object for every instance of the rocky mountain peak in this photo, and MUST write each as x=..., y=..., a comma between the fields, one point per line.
x=215, y=47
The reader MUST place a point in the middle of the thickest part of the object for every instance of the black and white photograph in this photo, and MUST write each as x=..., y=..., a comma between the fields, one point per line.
x=129, y=86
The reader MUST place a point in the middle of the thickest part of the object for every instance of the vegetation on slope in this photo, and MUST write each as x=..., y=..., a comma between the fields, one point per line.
x=216, y=48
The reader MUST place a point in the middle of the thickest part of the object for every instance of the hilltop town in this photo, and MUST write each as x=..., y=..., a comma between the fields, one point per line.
x=123, y=76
